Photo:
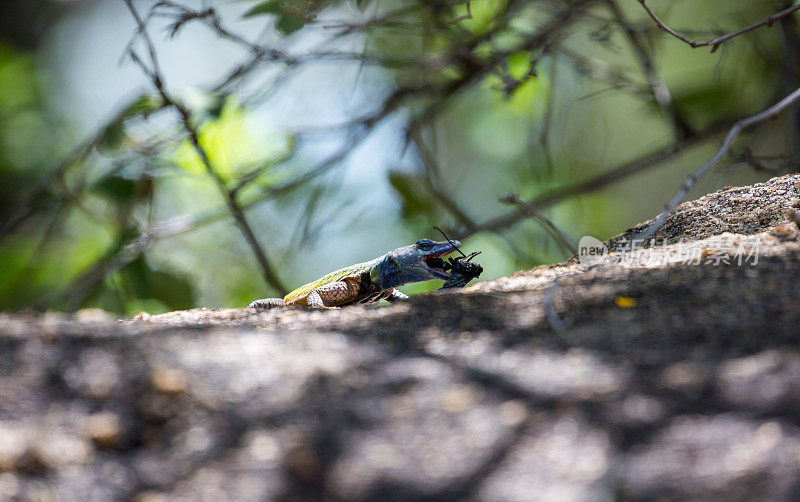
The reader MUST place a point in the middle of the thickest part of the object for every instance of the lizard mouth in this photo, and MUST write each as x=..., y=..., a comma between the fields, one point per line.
x=436, y=264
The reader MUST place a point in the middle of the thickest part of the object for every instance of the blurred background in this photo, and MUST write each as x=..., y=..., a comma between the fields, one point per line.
x=234, y=150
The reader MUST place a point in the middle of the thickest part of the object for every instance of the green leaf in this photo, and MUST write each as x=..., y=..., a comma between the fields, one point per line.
x=113, y=136
x=117, y=188
x=288, y=24
x=292, y=16
x=715, y=100
x=146, y=283
x=143, y=105
x=416, y=201
x=203, y=105
x=266, y=7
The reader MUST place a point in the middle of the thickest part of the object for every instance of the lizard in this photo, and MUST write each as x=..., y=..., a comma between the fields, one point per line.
x=373, y=280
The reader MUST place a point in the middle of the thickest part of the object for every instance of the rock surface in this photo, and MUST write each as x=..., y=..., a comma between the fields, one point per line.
x=668, y=375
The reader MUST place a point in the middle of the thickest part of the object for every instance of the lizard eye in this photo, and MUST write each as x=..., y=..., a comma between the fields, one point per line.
x=425, y=244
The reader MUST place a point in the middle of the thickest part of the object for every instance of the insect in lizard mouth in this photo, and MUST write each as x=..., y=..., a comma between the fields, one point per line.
x=461, y=269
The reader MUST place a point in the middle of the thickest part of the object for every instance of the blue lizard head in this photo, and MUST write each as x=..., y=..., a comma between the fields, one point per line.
x=415, y=263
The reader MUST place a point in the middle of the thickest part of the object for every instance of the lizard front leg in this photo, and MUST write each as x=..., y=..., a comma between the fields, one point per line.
x=397, y=295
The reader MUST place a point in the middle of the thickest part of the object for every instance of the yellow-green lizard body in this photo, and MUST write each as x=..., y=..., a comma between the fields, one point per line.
x=371, y=281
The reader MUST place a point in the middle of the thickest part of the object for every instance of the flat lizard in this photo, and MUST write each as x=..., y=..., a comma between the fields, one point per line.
x=373, y=280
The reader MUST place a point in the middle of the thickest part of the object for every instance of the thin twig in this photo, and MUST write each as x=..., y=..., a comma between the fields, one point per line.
x=468, y=15
x=54, y=180
x=619, y=173
x=716, y=42
x=603, y=72
x=235, y=209
x=544, y=136
x=433, y=173
x=791, y=71
x=561, y=237
x=658, y=88
x=693, y=178
x=123, y=254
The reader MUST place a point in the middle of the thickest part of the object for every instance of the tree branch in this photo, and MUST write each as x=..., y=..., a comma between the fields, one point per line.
x=693, y=178
x=555, y=195
x=232, y=204
x=658, y=88
x=566, y=242
x=716, y=42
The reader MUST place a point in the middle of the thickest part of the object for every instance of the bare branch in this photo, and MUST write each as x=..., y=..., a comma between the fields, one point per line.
x=603, y=72
x=658, y=88
x=693, y=178
x=432, y=169
x=230, y=200
x=716, y=42
x=624, y=171
x=544, y=136
x=562, y=238
x=54, y=179
x=468, y=15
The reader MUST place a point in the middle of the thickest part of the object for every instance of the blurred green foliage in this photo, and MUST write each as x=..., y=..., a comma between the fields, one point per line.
x=128, y=219
x=23, y=123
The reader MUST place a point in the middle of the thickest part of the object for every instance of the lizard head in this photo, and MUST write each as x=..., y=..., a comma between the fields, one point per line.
x=421, y=261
